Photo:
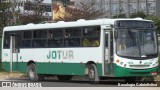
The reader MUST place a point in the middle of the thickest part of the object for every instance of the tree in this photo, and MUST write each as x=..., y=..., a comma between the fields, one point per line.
x=120, y=16
x=138, y=14
x=85, y=11
x=156, y=20
x=5, y=14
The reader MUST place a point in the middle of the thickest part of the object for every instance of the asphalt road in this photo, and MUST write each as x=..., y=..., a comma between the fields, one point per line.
x=71, y=83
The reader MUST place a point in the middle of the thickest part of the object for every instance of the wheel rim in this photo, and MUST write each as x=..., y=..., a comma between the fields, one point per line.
x=91, y=74
x=31, y=73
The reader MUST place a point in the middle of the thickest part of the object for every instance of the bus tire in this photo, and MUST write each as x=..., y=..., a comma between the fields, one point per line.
x=64, y=77
x=93, y=74
x=32, y=72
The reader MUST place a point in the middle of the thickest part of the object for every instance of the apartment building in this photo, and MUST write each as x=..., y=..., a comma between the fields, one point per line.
x=24, y=7
x=128, y=7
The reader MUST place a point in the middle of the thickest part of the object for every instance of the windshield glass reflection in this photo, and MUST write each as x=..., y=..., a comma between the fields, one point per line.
x=136, y=43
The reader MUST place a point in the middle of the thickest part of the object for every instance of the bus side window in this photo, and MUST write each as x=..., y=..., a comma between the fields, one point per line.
x=6, y=40
x=26, y=39
x=75, y=42
x=26, y=43
x=95, y=42
x=91, y=36
x=72, y=37
x=55, y=38
x=86, y=42
x=106, y=40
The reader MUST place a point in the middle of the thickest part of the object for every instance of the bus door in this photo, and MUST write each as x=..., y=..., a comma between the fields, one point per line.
x=14, y=50
x=108, y=62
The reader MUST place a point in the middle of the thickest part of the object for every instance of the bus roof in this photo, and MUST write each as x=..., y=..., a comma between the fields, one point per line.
x=61, y=24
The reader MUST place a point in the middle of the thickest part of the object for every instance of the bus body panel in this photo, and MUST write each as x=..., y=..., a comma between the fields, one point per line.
x=127, y=72
x=72, y=60
x=55, y=60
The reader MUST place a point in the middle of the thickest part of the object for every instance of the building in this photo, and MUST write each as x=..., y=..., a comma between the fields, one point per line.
x=128, y=7
x=28, y=7
x=24, y=7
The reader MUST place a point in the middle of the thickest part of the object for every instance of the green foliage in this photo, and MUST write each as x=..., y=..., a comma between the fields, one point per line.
x=138, y=14
x=156, y=20
x=4, y=14
x=120, y=16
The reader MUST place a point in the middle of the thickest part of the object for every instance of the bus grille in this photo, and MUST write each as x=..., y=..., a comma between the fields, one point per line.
x=139, y=66
x=139, y=72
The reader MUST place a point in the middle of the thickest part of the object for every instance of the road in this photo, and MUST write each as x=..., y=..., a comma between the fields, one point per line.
x=72, y=83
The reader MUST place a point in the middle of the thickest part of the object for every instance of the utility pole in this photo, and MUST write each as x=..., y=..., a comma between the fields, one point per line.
x=110, y=10
x=137, y=6
x=146, y=1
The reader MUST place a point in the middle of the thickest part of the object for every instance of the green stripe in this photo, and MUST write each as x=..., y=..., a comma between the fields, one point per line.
x=77, y=69
x=53, y=68
x=123, y=72
x=21, y=66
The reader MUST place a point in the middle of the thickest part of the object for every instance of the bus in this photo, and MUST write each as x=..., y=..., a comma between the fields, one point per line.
x=117, y=48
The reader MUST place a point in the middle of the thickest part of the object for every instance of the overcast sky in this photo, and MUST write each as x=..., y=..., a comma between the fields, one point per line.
x=47, y=1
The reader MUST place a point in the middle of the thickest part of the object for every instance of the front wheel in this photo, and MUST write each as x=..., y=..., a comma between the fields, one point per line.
x=32, y=73
x=93, y=74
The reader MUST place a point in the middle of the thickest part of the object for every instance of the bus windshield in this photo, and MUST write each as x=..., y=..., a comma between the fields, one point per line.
x=136, y=42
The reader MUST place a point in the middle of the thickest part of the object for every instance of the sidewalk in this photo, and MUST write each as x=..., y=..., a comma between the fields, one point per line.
x=6, y=75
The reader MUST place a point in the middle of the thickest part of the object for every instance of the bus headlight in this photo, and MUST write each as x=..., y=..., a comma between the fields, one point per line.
x=117, y=61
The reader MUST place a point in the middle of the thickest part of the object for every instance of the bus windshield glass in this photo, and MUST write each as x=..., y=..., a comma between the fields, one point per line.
x=136, y=42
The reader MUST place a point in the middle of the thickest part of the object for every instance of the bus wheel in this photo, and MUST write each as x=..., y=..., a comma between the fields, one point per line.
x=32, y=73
x=64, y=77
x=93, y=74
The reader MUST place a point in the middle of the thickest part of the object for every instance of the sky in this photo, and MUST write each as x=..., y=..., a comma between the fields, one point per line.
x=47, y=1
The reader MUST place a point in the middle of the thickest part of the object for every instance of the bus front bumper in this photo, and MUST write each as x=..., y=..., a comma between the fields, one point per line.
x=125, y=72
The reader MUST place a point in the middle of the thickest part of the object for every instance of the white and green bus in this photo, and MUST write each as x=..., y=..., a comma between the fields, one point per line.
x=124, y=48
